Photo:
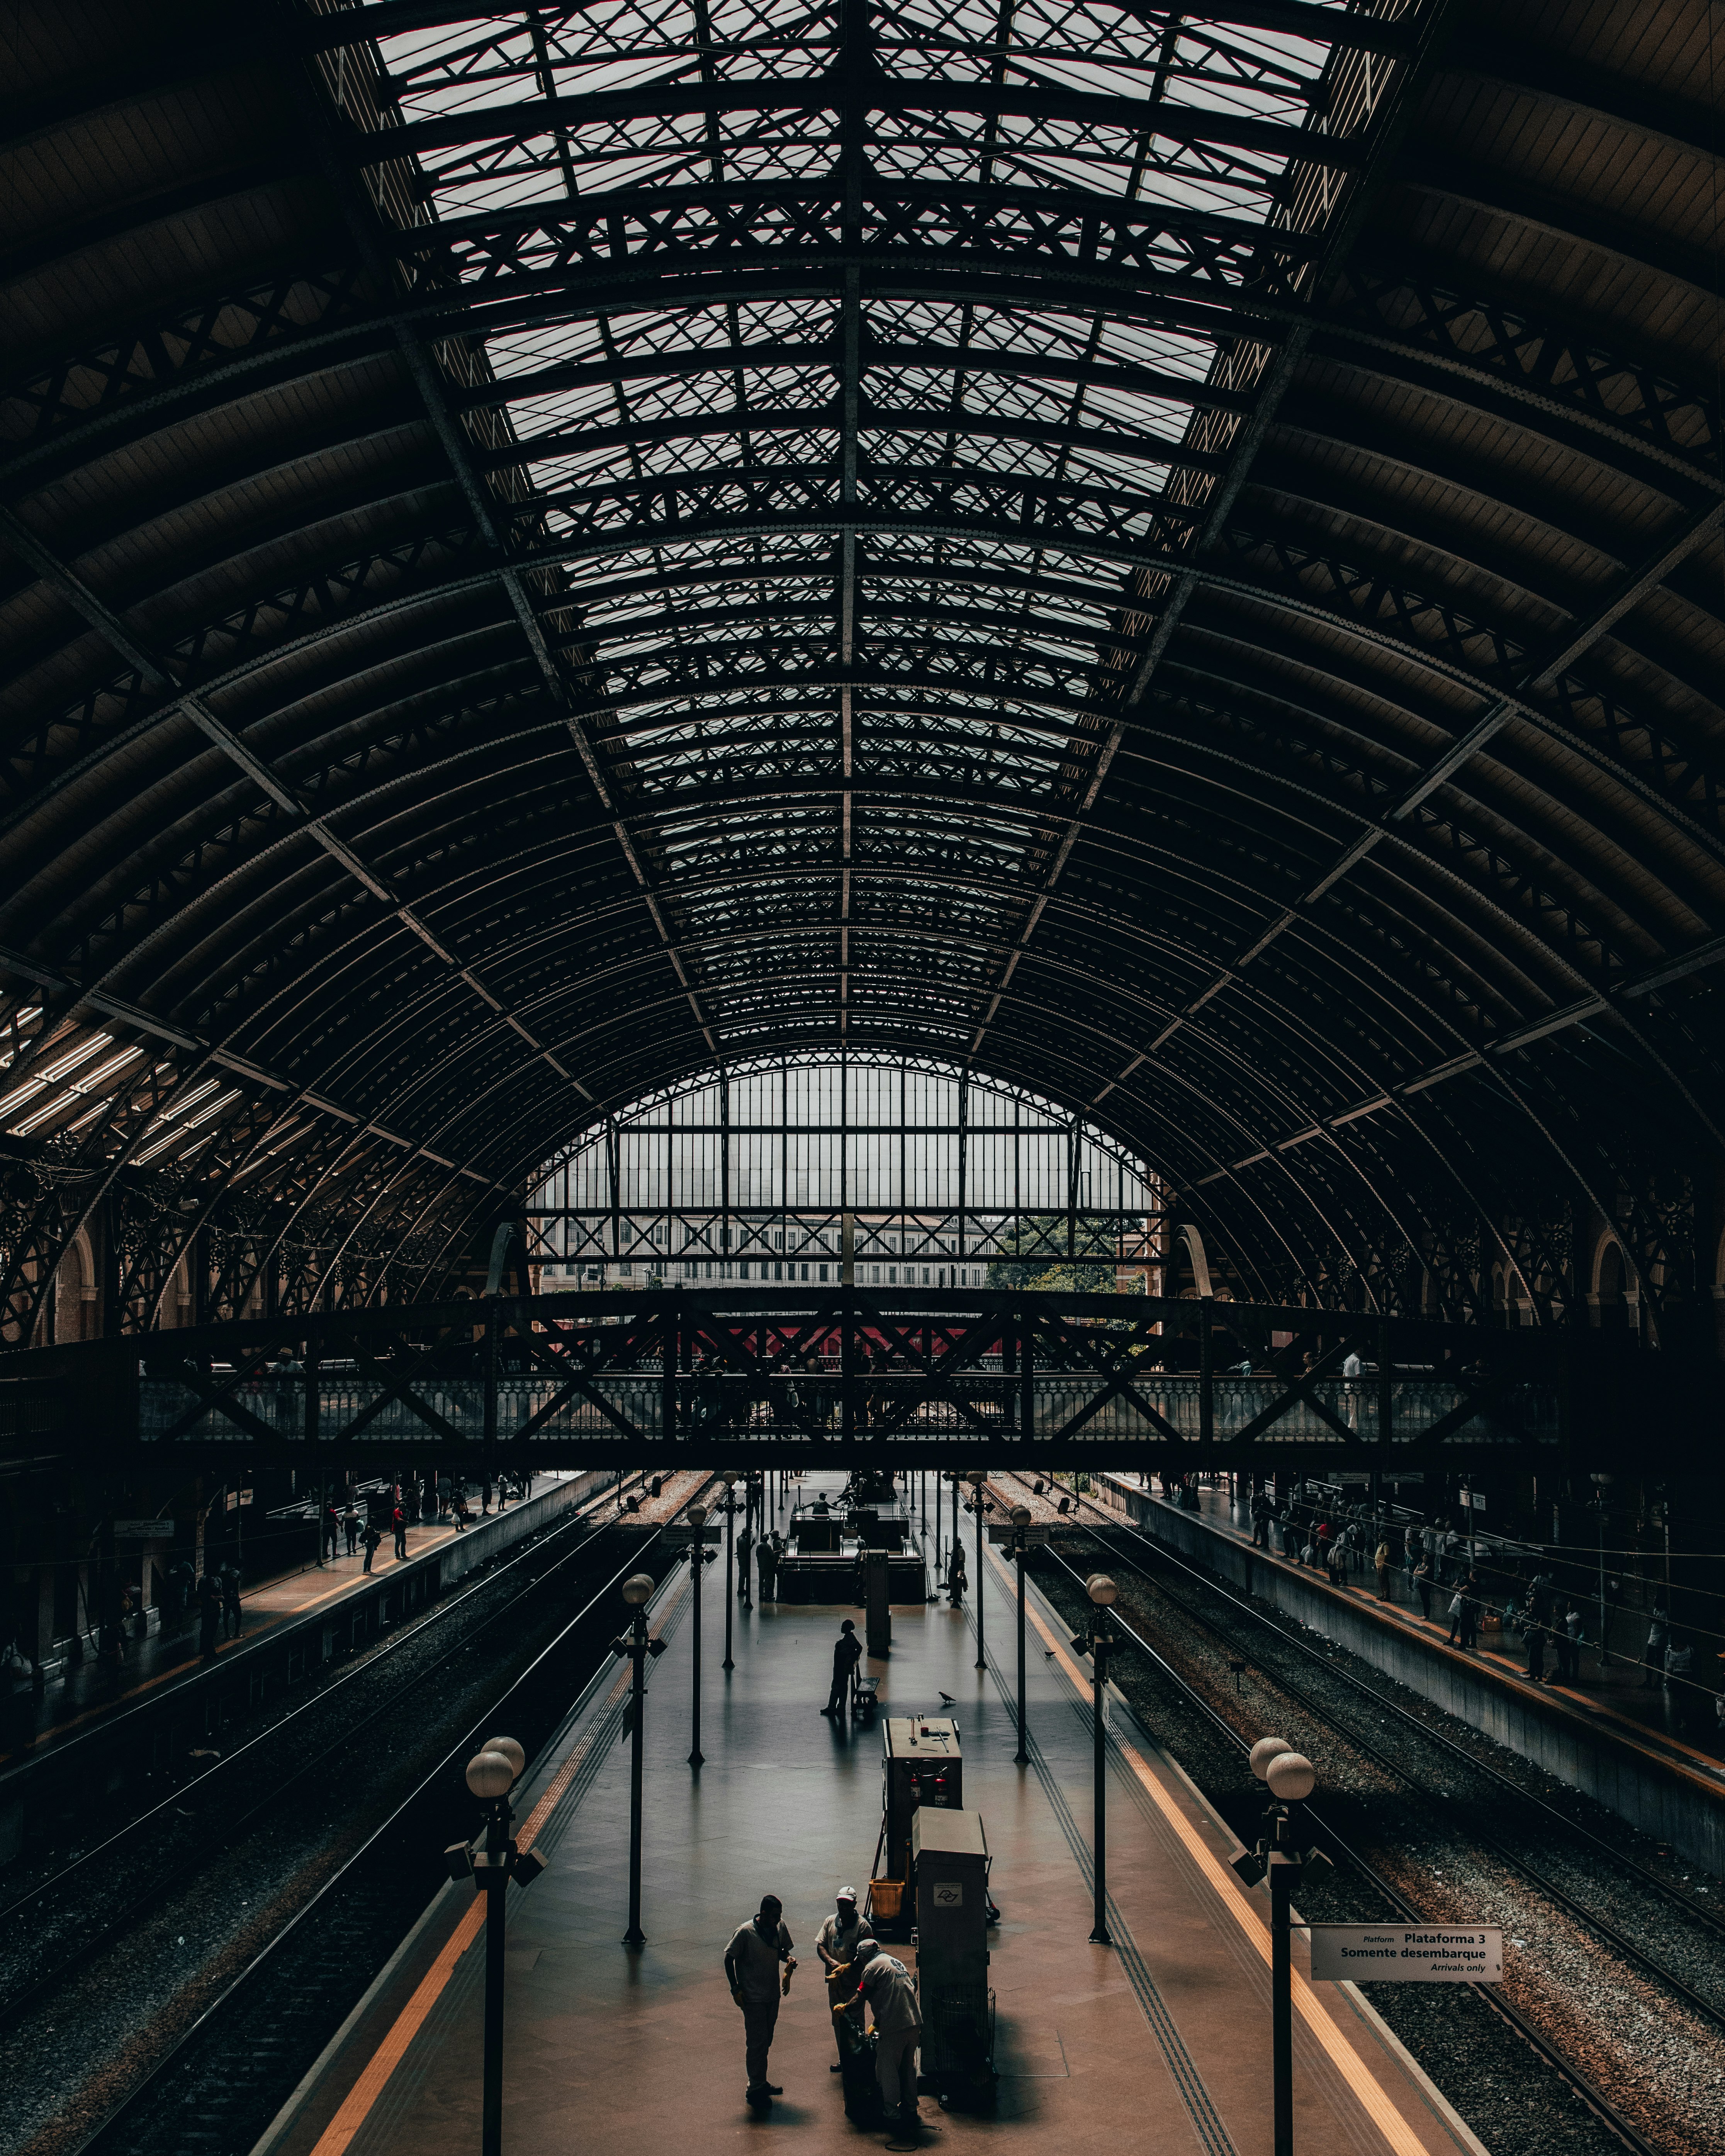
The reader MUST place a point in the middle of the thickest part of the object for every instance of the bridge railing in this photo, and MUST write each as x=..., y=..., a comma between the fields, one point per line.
x=529, y=1412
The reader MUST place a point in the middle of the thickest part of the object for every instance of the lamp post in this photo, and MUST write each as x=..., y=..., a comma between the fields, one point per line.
x=1290, y=1777
x=1020, y=1520
x=636, y=1591
x=697, y=1558
x=976, y=1478
x=1098, y=1645
x=729, y=1481
x=492, y=1774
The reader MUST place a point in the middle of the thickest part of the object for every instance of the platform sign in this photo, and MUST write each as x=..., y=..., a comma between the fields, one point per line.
x=1001, y=1537
x=1474, y=1500
x=143, y=1531
x=1407, y=1953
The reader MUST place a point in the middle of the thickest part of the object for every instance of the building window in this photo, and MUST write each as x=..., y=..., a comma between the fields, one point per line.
x=823, y=1272
x=875, y=1271
x=892, y=1276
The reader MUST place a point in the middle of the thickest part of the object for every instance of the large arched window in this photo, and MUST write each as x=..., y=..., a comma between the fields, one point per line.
x=910, y=1169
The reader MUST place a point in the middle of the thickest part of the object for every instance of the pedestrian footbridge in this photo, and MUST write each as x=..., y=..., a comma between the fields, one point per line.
x=781, y=1377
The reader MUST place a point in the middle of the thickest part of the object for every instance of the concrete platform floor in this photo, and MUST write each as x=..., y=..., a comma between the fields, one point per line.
x=1161, y=2043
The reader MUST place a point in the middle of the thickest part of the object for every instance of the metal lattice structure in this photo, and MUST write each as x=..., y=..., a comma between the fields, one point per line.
x=840, y=1375
x=1169, y=557
x=883, y=1171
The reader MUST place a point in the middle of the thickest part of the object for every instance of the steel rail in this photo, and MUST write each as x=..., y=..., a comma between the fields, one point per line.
x=1711, y=1919
x=337, y=1882
x=1594, y=2097
x=13, y=2008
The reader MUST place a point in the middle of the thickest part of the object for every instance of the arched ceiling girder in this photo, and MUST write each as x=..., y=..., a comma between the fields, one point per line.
x=1260, y=900
x=1482, y=686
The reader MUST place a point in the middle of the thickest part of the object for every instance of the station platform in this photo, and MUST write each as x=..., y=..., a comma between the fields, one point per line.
x=144, y=1668
x=1159, y=2043
x=1609, y=1695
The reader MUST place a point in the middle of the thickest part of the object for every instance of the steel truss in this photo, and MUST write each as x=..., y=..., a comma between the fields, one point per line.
x=942, y=533
x=823, y=1377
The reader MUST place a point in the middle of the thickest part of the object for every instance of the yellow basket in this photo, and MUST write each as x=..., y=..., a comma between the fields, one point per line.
x=887, y=1899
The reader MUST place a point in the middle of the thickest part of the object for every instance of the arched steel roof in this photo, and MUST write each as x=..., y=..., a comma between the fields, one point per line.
x=1170, y=556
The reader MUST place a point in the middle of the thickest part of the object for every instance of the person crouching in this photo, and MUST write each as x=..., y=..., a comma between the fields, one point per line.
x=892, y=1998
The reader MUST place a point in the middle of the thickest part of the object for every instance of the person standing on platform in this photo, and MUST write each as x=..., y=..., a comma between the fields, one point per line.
x=1469, y=1598
x=1679, y=1674
x=752, y=1961
x=1659, y=1632
x=399, y=1520
x=835, y=1943
x=350, y=1526
x=1382, y=1562
x=230, y=1599
x=1452, y=1555
x=955, y=1581
x=331, y=1530
x=1533, y=1636
x=1422, y=1585
x=209, y=1612
x=766, y=1564
x=185, y=1587
x=745, y=1546
x=847, y=1653
x=891, y=1999
x=1570, y=1652
x=372, y=1537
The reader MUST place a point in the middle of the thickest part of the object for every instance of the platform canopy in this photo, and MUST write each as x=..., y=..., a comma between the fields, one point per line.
x=1166, y=558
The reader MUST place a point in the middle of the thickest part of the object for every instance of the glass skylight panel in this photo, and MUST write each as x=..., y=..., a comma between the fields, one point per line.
x=972, y=658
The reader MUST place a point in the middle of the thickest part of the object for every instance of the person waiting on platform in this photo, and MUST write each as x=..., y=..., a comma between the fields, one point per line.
x=847, y=1653
x=752, y=1961
x=835, y=1943
x=891, y=1997
x=1679, y=1677
x=1659, y=1633
x=1568, y=1643
x=209, y=1611
x=955, y=1581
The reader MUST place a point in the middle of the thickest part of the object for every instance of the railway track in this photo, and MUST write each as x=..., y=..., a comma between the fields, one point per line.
x=1707, y=2005
x=235, y=1886
x=50, y=1917
x=215, y=2090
